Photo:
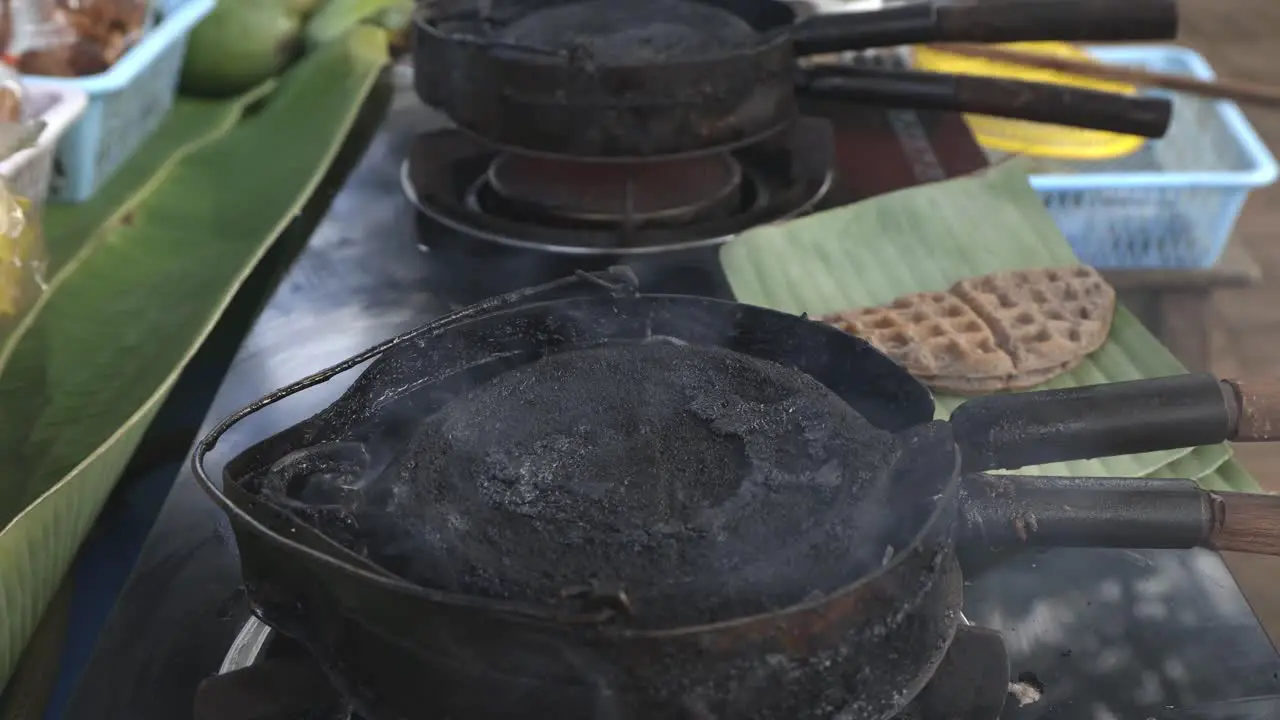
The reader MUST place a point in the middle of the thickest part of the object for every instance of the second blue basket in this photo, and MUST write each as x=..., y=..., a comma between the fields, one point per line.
x=126, y=103
x=1175, y=202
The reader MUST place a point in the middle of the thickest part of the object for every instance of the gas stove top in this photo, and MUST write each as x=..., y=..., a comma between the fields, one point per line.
x=818, y=164
x=472, y=212
x=1113, y=635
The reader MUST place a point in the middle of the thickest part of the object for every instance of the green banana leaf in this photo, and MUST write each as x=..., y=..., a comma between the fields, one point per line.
x=1230, y=475
x=191, y=124
x=925, y=239
x=142, y=274
x=335, y=16
x=1200, y=463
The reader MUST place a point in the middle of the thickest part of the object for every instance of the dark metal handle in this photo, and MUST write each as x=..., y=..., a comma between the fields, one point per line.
x=1069, y=20
x=1040, y=102
x=1004, y=511
x=902, y=25
x=1020, y=429
x=1005, y=21
x=1037, y=102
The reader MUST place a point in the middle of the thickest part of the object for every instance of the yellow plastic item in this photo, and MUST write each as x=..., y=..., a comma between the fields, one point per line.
x=1028, y=138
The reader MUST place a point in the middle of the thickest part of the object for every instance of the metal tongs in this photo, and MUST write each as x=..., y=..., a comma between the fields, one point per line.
x=1001, y=21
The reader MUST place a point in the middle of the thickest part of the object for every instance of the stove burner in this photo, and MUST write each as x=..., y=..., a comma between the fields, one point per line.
x=621, y=32
x=617, y=194
x=449, y=177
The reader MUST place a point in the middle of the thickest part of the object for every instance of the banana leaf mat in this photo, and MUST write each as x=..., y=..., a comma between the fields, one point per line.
x=927, y=238
x=142, y=274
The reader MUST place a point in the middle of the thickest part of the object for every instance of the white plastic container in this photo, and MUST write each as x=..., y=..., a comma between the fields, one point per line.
x=30, y=171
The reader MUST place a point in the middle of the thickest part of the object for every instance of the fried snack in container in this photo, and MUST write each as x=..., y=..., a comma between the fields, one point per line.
x=74, y=38
x=22, y=259
x=10, y=95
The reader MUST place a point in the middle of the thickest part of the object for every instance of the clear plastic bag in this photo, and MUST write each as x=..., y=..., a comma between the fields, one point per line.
x=6, y=28
x=11, y=97
x=22, y=259
x=115, y=24
x=35, y=25
x=72, y=38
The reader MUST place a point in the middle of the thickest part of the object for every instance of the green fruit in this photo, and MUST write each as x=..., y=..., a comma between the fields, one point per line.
x=300, y=8
x=336, y=17
x=241, y=44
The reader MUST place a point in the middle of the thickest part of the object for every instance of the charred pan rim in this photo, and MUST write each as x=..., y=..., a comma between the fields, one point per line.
x=425, y=19
x=838, y=603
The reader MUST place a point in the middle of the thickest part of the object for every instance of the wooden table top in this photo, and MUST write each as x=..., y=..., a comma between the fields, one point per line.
x=1235, y=269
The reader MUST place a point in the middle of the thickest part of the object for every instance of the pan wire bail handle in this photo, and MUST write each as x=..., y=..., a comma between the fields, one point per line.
x=618, y=281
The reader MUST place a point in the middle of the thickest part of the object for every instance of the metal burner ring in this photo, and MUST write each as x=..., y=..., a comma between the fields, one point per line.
x=626, y=214
x=472, y=203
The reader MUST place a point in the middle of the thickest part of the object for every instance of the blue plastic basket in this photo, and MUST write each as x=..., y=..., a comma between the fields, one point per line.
x=126, y=103
x=1174, y=203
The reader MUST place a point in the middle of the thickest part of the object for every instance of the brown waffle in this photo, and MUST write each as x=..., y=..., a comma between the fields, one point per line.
x=986, y=385
x=1004, y=331
x=930, y=334
x=1043, y=318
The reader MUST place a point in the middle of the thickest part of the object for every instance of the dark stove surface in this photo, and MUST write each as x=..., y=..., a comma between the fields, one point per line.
x=1111, y=634
x=266, y=676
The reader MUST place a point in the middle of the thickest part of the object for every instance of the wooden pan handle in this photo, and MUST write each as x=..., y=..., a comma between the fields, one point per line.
x=1245, y=522
x=1256, y=411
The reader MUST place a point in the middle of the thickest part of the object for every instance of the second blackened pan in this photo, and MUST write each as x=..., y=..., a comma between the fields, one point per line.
x=613, y=79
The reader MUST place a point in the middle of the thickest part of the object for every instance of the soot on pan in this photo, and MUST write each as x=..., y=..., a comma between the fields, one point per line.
x=626, y=32
x=702, y=483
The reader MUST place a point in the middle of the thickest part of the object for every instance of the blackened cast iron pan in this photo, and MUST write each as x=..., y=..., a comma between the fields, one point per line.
x=400, y=649
x=617, y=80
